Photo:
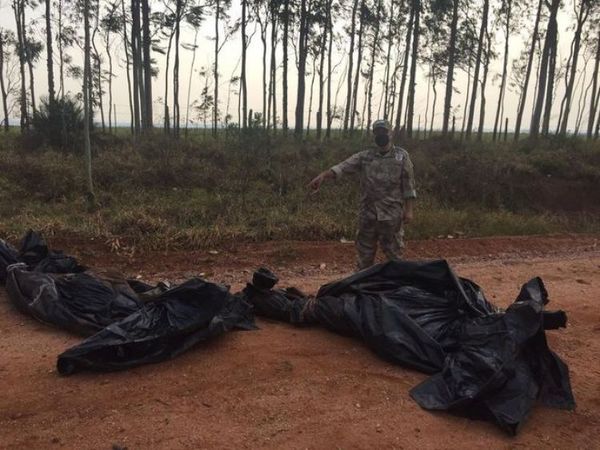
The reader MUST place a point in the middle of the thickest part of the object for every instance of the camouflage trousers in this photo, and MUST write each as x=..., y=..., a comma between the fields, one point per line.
x=388, y=234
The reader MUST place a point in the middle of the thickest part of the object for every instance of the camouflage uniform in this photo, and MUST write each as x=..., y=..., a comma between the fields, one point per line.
x=386, y=180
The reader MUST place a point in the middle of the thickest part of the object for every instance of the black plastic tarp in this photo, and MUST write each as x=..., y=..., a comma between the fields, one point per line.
x=129, y=322
x=79, y=302
x=488, y=364
x=503, y=365
x=170, y=324
x=407, y=312
x=8, y=256
x=53, y=288
x=36, y=256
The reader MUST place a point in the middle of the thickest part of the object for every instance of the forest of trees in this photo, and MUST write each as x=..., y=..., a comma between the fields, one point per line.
x=384, y=45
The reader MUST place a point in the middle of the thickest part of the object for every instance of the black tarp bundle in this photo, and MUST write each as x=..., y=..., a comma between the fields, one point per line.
x=79, y=302
x=8, y=256
x=36, y=256
x=55, y=289
x=163, y=328
x=487, y=363
x=129, y=322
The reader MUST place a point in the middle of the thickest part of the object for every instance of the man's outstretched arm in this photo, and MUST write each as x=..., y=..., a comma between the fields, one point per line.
x=316, y=182
x=350, y=165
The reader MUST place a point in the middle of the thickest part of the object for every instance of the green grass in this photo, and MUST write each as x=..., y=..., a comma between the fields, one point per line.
x=198, y=192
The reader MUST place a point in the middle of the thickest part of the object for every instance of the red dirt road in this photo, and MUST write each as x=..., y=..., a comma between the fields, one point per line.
x=288, y=387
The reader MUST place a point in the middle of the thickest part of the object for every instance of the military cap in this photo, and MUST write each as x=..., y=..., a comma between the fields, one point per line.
x=382, y=123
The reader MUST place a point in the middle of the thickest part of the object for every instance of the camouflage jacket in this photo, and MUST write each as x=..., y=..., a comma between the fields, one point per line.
x=386, y=180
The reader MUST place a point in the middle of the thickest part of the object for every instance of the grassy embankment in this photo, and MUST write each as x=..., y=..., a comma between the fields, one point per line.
x=199, y=192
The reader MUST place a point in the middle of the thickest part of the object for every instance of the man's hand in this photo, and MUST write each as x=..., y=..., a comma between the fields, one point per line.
x=408, y=211
x=315, y=184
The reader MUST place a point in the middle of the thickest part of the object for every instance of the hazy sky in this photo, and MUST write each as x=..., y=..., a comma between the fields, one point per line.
x=229, y=65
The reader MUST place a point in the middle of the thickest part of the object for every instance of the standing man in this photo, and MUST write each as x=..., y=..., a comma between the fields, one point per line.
x=387, y=187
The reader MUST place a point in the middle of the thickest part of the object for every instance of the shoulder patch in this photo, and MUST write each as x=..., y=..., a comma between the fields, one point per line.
x=399, y=154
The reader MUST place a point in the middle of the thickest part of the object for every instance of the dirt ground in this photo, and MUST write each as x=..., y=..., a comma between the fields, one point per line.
x=288, y=387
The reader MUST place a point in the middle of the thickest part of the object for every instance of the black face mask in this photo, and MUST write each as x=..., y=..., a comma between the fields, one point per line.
x=382, y=140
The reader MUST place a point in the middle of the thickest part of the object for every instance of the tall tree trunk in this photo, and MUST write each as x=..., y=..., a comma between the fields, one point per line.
x=350, y=66
x=270, y=77
x=239, y=107
x=167, y=118
x=553, y=29
x=464, y=118
x=500, y=105
x=301, y=69
x=329, y=70
x=340, y=85
x=322, y=69
x=18, y=5
x=480, y=44
x=567, y=66
x=380, y=103
x=98, y=71
x=583, y=93
x=581, y=19
x=274, y=64
x=540, y=54
x=266, y=115
x=400, y=96
x=29, y=64
x=205, y=112
x=216, y=69
x=450, y=74
x=87, y=79
x=146, y=44
x=286, y=23
x=189, y=90
x=486, y=68
x=525, y=87
x=29, y=59
x=135, y=30
x=394, y=90
x=60, y=49
x=2, y=85
x=426, y=121
x=243, y=85
x=597, y=132
x=229, y=90
x=140, y=69
x=175, y=112
x=358, y=62
x=310, y=95
x=544, y=71
x=361, y=127
x=413, y=68
x=388, y=60
x=110, y=77
x=593, y=102
x=49, y=63
x=127, y=65
x=374, y=43
x=433, y=87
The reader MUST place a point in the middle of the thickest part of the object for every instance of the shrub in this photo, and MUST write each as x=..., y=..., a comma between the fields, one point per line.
x=59, y=124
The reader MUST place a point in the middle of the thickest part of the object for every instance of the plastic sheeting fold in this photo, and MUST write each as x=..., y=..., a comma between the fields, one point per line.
x=486, y=363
